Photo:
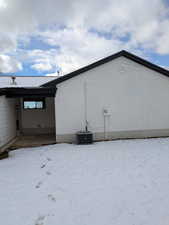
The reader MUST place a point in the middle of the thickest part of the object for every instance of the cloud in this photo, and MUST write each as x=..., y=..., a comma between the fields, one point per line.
x=9, y=65
x=42, y=60
x=80, y=32
x=42, y=67
x=56, y=74
x=80, y=47
x=7, y=43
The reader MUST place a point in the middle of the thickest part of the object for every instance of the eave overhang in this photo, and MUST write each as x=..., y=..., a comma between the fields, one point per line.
x=31, y=92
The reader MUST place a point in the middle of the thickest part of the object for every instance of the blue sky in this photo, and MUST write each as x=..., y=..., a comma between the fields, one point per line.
x=43, y=37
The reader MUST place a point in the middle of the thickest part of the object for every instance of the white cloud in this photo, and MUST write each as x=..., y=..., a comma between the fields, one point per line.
x=80, y=47
x=56, y=74
x=42, y=67
x=2, y=4
x=42, y=60
x=9, y=65
x=7, y=43
x=143, y=23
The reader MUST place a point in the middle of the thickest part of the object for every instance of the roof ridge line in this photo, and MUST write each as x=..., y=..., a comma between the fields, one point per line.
x=107, y=59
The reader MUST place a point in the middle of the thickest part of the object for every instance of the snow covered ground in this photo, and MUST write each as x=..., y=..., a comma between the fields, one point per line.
x=111, y=183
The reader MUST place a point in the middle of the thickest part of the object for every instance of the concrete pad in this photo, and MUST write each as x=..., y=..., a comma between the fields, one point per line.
x=33, y=141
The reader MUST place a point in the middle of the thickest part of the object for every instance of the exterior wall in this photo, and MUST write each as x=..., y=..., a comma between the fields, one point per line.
x=135, y=97
x=38, y=121
x=7, y=120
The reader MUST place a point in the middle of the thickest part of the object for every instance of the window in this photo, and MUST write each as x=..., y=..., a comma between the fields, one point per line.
x=34, y=103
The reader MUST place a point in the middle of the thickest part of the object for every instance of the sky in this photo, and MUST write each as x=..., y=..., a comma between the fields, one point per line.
x=53, y=37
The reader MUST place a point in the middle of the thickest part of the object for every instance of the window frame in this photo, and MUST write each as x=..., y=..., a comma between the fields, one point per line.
x=34, y=100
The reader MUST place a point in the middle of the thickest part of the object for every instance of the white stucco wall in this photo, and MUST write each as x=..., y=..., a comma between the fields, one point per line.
x=37, y=121
x=136, y=98
x=7, y=120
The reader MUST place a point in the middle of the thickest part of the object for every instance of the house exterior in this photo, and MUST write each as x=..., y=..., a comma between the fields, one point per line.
x=14, y=119
x=121, y=96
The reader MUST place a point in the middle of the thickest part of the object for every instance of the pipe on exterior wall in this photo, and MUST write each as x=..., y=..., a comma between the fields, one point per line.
x=85, y=106
x=106, y=115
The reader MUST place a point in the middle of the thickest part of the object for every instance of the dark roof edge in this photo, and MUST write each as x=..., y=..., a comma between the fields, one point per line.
x=13, y=92
x=2, y=91
x=106, y=60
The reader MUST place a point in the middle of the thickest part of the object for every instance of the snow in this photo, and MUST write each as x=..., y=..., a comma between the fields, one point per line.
x=107, y=183
x=24, y=81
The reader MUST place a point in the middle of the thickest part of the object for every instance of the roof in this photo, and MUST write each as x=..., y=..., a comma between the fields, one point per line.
x=26, y=86
x=24, y=81
x=33, y=92
x=106, y=60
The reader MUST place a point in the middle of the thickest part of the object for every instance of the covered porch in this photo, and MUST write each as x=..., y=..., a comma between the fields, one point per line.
x=34, y=116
